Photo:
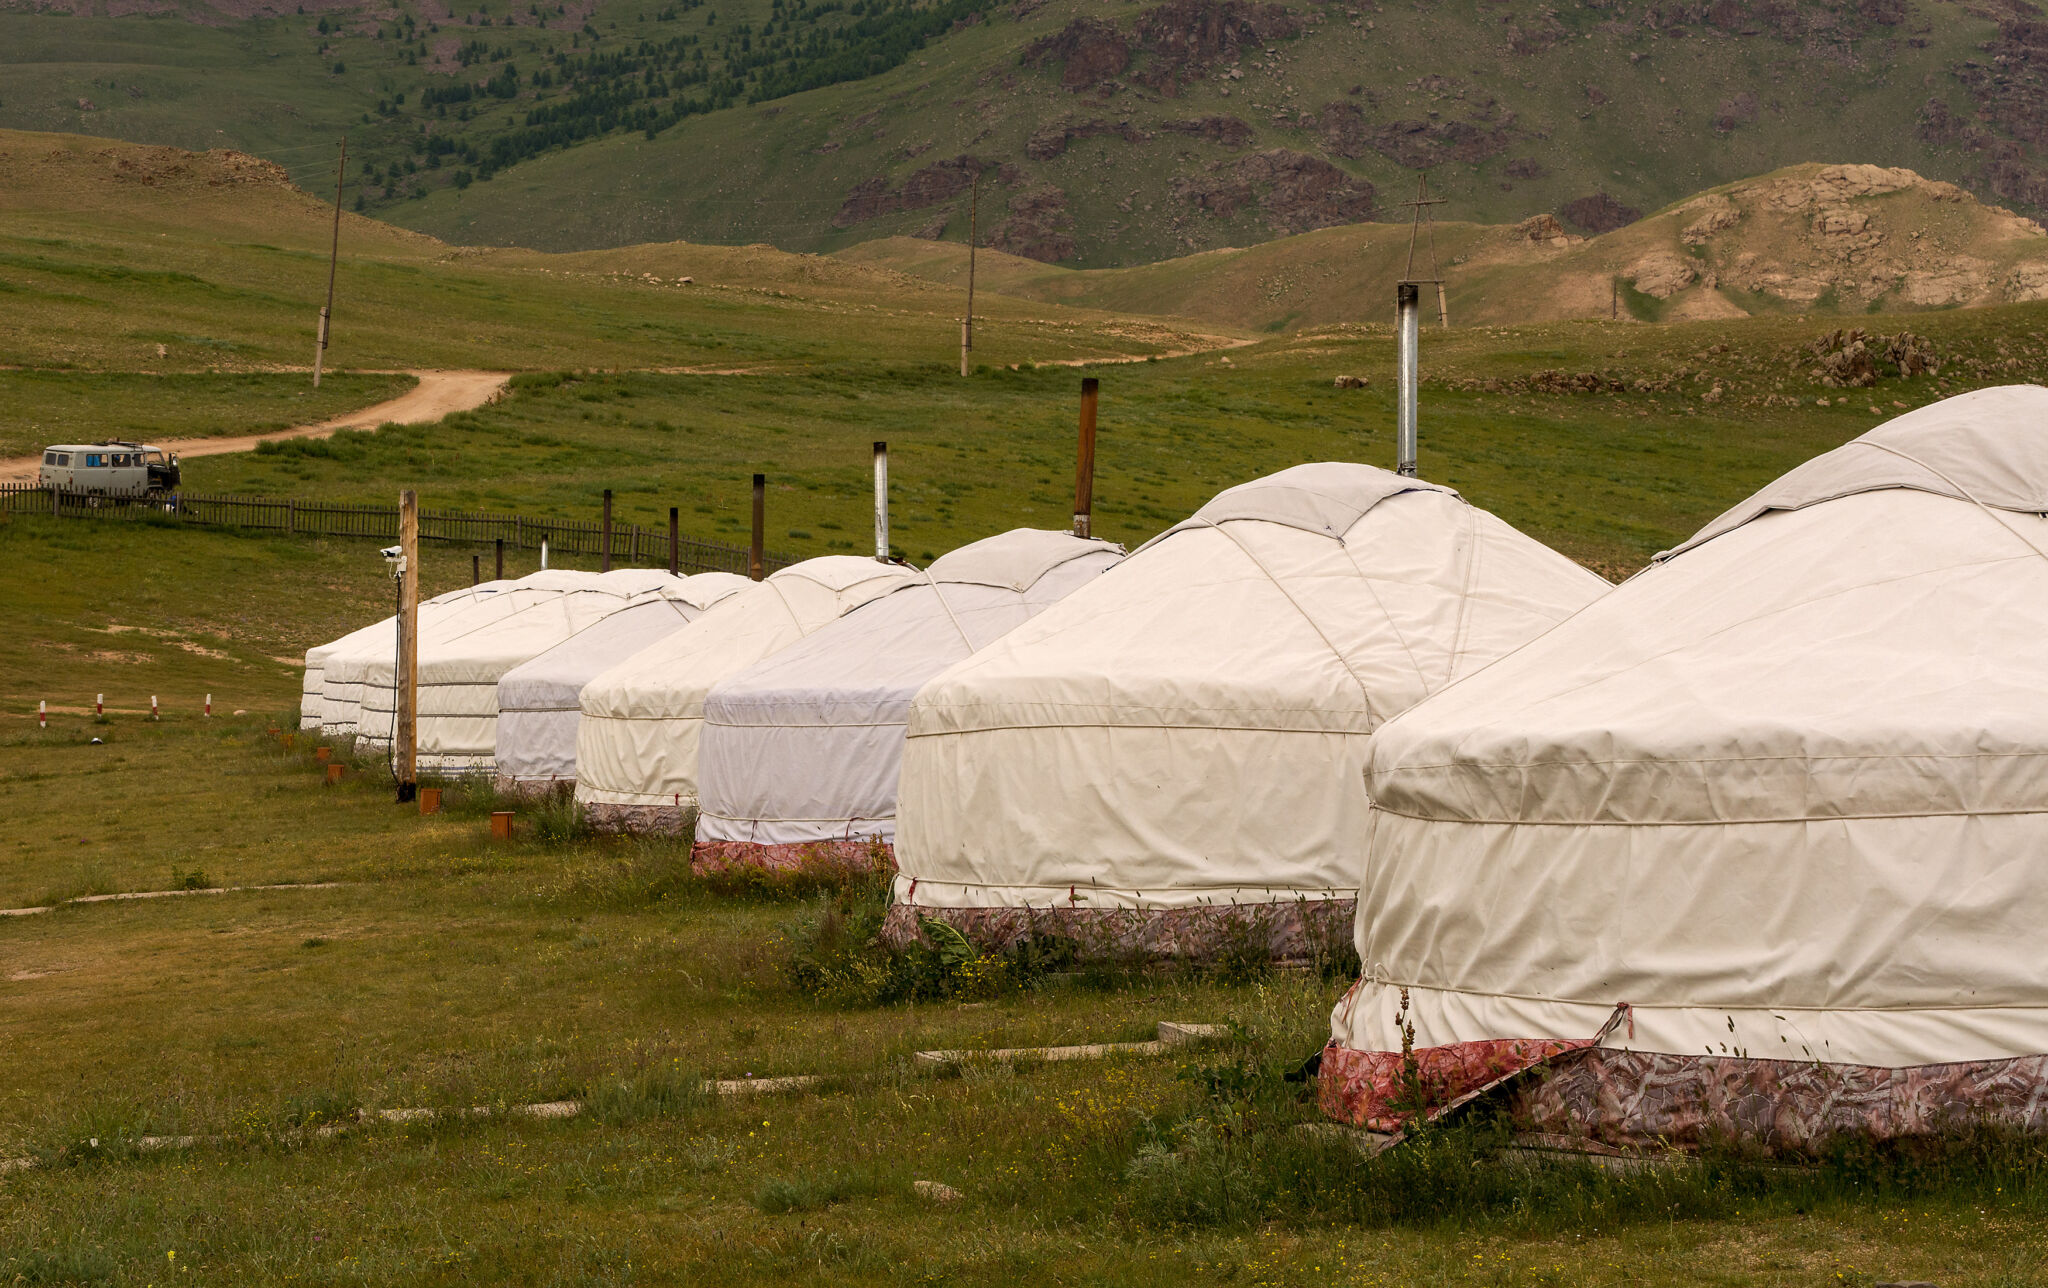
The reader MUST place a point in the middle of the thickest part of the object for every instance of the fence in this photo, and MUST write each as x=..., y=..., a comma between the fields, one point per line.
x=631, y=543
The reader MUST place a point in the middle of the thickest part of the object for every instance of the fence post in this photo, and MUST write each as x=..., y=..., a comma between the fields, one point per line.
x=291, y=517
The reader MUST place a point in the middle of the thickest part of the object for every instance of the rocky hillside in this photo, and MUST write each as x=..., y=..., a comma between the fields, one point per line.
x=1076, y=132
x=1839, y=239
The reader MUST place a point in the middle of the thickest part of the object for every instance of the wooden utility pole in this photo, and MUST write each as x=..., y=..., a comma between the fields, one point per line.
x=1084, y=461
x=1421, y=204
x=407, y=681
x=605, y=560
x=973, y=238
x=672, y=542
x=333, y=258
x=754, y=551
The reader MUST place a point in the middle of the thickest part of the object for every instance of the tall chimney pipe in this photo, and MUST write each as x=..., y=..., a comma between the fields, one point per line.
x=754, y=553
x=672, y=543
x=1408, y=320
x=605, y=563
x=1084, y=461
x=882, y=502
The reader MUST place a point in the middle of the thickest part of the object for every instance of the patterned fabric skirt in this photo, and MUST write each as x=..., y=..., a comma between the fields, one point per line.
x=1302, y=931
x=1647, y=1100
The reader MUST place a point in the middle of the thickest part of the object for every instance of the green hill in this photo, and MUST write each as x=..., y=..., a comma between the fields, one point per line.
x=1103, y=134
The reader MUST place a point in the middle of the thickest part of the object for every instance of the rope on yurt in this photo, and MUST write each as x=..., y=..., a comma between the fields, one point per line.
x=926, y=574
x=1313, y=625
x=1961, y=491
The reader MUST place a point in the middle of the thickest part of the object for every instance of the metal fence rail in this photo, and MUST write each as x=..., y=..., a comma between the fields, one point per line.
x=631, y=543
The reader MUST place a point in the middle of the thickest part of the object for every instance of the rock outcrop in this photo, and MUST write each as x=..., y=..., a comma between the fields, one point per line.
x=1294, y=191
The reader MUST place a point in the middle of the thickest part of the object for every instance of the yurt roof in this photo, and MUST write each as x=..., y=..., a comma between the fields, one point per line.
x=1014, y=560
x=837, y=572
x=1329, y=497
x=1974, y=447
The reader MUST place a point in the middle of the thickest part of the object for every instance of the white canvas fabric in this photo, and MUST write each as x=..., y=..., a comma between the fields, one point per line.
x=329, y=702
x=372, y=671
x=637, y=741
x=460, y=664
x=1190, y=728
x=540, y=701
x=1782, y=792
x=805, y=746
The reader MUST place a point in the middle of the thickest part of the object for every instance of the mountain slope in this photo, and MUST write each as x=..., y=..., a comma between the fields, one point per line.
x=1105, y=133
x=1807, y=239
x=135, y=257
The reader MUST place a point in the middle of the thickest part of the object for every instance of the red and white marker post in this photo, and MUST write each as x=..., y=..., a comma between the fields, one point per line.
x=152, y=708
x=209, y=706
x=42, y=713
x=99, y=704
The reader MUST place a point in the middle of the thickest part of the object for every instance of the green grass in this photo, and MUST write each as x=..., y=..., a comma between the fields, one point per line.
x=42, y=407
x=1609, y=478
x=448, y=972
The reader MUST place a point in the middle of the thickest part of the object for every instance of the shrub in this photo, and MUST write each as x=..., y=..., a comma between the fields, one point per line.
x=837, y=954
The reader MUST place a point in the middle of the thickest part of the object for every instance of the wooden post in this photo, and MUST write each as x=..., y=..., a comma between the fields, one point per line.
x=407, y=733
x=605, y=564
x=673, y=544
x=1084, y=461
x=333, y=257
x=500, y=574
x=973, y=236
x=476, y=569
x=754, y=551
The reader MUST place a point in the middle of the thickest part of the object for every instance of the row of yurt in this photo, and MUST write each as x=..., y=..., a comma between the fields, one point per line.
x=540, y=701
x=462, y=661
x=347, y=667
x=637, y=740
x=800, y=753
x=384, y=635
x=1748, y=847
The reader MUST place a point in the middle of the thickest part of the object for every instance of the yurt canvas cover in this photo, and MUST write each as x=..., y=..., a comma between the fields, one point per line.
x=310, y=683
x=636, y=747
x=540, y=702
x=1179, y=746
x=799, y=753
x=1752, y=846
x=373, y=671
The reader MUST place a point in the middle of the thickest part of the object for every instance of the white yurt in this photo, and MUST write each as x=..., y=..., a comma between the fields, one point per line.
x=540, y=701
x=343, y=662
x=798, y=758
x=1753, y=846
x=636, y=746
x=1173, y=754
x=311, y=682
x=351, y=701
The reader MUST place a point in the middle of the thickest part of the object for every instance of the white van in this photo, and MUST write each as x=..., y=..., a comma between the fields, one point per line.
x=112, y=468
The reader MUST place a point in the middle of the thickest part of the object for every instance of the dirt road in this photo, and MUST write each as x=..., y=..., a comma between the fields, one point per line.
x=438, y=394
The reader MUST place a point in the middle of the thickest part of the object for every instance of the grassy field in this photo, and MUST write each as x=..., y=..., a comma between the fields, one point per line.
x=445, y=972
x=41, y=407
x=1609, y=477
x=436, y=970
